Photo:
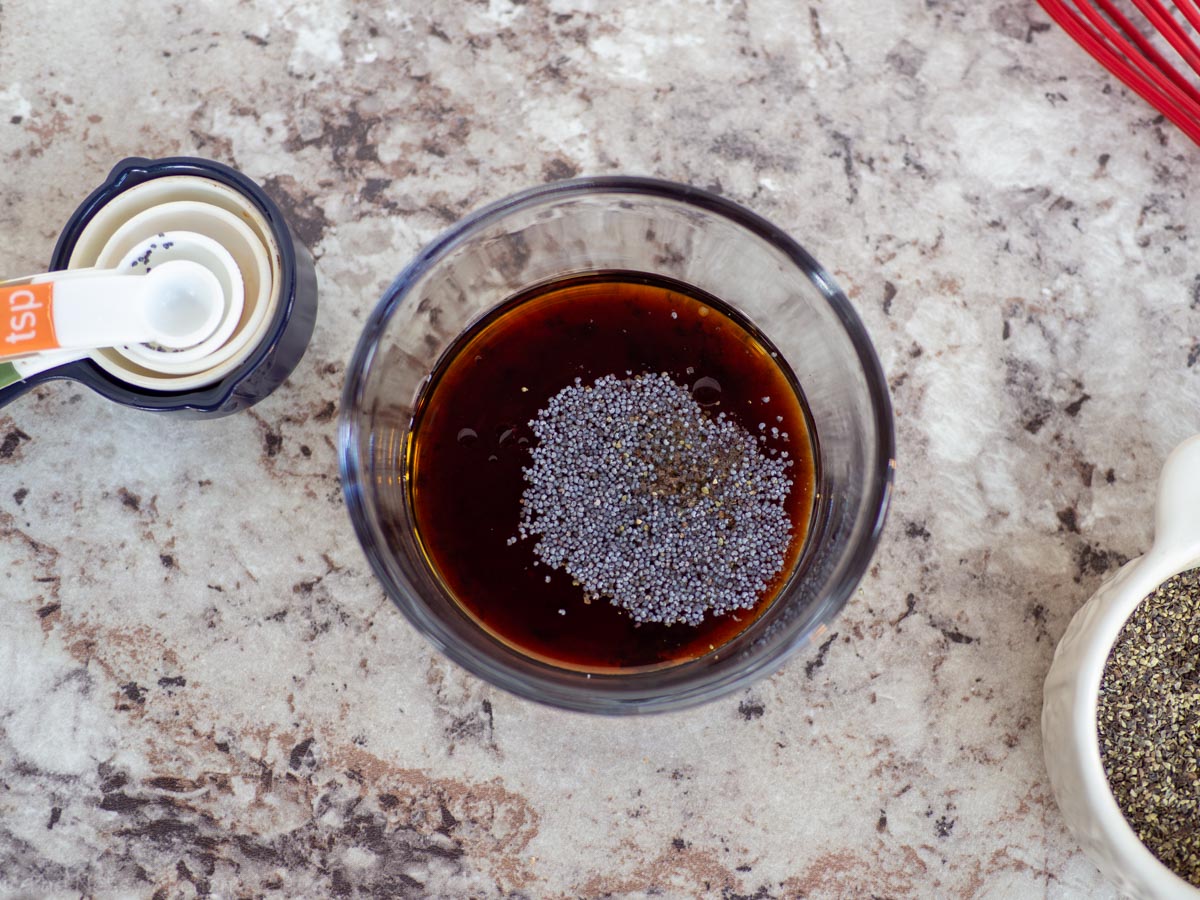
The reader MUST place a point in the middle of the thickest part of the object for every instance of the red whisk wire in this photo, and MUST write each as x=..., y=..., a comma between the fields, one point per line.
x=1190, y=12
x=1169, y=27
x=1148, y=49
x=1126, y=53
x=1155, y=68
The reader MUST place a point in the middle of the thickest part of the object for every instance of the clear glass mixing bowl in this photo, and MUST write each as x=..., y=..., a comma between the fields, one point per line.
x=641, y=225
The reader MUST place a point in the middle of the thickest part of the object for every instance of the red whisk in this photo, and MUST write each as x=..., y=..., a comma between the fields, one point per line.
x=1115, y=41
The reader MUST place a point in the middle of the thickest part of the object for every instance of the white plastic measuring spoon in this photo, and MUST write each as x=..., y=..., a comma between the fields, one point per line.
x=176, y=304
x=170, y=245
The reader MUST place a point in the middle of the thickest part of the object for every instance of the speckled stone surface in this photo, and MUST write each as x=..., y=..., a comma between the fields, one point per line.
x=203, y=690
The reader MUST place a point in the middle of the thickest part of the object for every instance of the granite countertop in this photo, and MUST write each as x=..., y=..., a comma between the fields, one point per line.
x=204, y=691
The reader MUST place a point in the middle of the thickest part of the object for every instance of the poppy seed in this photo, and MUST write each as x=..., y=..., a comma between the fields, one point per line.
x=647, y=501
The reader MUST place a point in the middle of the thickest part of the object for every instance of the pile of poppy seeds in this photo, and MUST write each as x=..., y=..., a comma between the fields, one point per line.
x=646, y=501
x=1149, y=723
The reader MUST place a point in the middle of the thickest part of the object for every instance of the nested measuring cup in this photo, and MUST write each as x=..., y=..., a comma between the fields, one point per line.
x=1072, y=690
x=266, y=336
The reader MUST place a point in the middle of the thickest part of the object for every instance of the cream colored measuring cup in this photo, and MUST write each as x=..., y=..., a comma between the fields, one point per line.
x=1071, y=695
x=201, y=206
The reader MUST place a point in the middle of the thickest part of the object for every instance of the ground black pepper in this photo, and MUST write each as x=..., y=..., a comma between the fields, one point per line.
x=1149, y=723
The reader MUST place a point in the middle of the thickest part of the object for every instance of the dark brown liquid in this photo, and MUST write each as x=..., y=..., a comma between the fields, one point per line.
x=472, y=438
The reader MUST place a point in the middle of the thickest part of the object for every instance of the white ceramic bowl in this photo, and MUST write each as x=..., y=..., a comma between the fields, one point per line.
x=1069, y=733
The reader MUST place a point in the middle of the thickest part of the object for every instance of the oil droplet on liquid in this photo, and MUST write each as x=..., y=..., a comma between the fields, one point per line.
x=707, y=391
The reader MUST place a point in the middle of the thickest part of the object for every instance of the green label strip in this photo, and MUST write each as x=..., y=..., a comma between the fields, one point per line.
x=8, y=375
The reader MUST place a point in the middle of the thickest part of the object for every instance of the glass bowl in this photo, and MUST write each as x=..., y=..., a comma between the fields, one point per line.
x=590, y=225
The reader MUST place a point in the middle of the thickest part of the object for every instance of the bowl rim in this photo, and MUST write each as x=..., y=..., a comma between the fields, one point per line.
x=881, y=466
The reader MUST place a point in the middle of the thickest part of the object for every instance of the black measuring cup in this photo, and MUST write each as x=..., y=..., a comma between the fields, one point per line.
x=285, y=322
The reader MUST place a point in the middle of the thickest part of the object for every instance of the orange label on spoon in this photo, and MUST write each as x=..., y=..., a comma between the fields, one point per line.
x=26, y=319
